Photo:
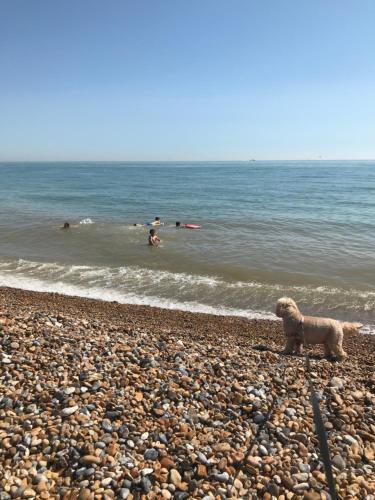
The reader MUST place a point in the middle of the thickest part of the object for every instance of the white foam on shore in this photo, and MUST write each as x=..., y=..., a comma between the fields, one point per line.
x=37, y=285
x=168, y=290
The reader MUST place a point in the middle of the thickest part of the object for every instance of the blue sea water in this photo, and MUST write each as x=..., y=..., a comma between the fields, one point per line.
x=302, y=229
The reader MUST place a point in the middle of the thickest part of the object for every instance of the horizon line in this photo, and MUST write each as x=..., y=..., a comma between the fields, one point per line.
x=252, y=160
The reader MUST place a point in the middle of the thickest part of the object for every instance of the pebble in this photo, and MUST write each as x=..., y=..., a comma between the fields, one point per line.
x=301, y=477
x=337, y=382
x=29, y=493
x=146, y=484
x=339, y=462
x=263, y=450
x=69, y=390
x=174, y=477
x=69, y=411
x=123, y=493
x=151, y=454
x=349, y=439
x=301, y=486
x=90, y=459
x=223, y=477
x=290, y=412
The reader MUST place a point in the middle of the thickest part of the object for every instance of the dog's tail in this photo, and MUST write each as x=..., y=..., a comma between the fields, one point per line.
x=351, y=327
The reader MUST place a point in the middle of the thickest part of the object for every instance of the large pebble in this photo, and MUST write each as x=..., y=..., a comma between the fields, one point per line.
x=69, y=411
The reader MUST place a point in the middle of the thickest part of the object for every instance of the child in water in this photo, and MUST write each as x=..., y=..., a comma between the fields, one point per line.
x=157, y=222
x=153, y=239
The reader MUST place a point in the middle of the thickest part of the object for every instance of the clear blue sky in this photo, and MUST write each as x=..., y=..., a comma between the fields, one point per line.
x=187, y=79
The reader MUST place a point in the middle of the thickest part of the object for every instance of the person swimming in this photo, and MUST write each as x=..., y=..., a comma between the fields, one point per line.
x=67, y=225
x=157, y=222
x=153, y=239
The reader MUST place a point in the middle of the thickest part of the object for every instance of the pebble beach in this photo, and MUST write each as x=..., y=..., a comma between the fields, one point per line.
x=100, y=400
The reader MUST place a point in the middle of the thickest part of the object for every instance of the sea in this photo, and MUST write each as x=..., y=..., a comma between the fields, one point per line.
x=302, y=229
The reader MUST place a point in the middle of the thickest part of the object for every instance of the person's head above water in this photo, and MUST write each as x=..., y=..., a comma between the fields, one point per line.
x=66, y=225
x=152, y=232
x=178, y=224
x=157, y=218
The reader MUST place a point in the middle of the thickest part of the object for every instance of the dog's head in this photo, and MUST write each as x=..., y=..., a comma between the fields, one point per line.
x=285, y=307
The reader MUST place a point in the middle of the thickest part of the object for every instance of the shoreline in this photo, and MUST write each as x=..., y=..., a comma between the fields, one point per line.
x=107, y=400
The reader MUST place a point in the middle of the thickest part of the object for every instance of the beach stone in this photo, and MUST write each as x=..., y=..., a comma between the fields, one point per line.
x=301, y=486
x=180, y=495
x=202, y=457
x=312, y=495
x=107, y=426
x=273, y=489
x=90, y=459
x=201, y=471
x=151, y=454
x=223, y=477
x=290, y=412
x=167, y=463
x=339, y=462
x=350, y=440
x=263, y=450
x=174, y=477
x=123, y=493
x=66, y=412
x=146, y=484
x=69, y=390
x=304, y=467
x=147, y=471
x=222, y=447
x=301, y=477
x=29, y=493
x=166, y=494
x=287, y=481
x=85, y=494
x=337, y=382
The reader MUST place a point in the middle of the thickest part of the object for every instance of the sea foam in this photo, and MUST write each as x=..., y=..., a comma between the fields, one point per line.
x=182, y=291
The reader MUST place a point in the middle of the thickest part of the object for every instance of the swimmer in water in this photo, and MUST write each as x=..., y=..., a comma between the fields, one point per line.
x=67, y=225
x=157, y=222
x=153, y=239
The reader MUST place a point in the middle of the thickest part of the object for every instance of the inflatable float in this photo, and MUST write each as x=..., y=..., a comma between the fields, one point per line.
x=192, y=226
x=154, y=223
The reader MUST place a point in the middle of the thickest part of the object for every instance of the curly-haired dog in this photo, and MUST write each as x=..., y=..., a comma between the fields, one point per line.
x=326, y=331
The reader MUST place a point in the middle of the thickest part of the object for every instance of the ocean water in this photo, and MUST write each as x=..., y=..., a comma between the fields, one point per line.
x=269, y=229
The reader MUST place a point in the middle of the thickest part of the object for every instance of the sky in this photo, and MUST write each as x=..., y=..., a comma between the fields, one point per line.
x=187, y=79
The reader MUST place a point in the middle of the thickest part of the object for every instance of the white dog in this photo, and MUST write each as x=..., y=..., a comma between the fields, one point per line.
x=329, y=332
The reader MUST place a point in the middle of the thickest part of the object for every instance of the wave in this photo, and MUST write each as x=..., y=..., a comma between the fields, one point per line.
x=183, y=291
x=40, y=285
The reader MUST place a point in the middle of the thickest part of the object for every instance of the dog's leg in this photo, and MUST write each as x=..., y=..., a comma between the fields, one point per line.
x=298, y=344
x=335, y=344
x=327, y=350
x=289, y=346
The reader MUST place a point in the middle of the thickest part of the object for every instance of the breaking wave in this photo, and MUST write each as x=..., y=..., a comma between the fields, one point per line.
x=183, y=291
